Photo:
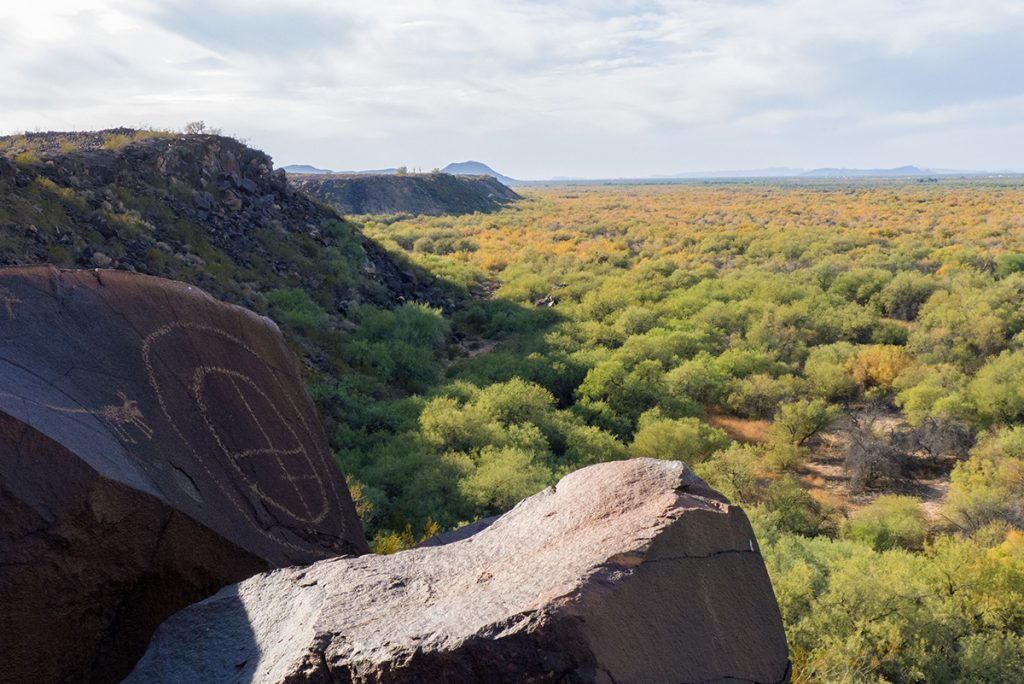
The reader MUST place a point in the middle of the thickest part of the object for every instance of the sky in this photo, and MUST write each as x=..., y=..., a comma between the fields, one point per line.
x=596, y=88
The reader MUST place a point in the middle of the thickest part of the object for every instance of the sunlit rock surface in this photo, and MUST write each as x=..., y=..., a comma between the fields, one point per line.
x=632, y=571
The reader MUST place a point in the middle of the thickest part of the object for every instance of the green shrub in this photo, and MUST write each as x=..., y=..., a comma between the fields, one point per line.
x=685, y=439
x=989, y=486
x=782, y=456
x=998, y=389
x=828, y=372
x=794, y=509
x=800, y=420
x=116, y=141
x=502, y=477
x=1009, y=264
x=732, y=471
x=294, y=309
x=889, y=522
x=903, y=296
x=27, y=158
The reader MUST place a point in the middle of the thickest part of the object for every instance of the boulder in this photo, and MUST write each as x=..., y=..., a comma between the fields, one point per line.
x=101, y=260
x=155, y=445
x=631, y=571
x=232, y=201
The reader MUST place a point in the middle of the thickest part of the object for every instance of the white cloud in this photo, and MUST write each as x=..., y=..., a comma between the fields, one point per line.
x=536, y=88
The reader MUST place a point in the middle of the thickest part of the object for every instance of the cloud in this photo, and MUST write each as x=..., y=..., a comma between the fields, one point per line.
x=535, y=87
x=277, y=30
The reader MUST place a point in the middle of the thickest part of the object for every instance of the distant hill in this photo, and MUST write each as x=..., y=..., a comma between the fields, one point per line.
x=304, y=168
x=424, y=193
x=866, y=173
x=307, y=169
x=778, y=172
x=475, y=168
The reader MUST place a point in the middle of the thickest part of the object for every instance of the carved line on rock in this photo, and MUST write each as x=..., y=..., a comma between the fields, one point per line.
x=243, y=507
x=199, y=379
x=7, y=302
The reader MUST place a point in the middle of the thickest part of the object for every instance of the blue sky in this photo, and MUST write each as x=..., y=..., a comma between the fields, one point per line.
x=537, y=89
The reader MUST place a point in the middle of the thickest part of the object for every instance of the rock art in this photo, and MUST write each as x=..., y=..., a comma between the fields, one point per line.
x=631, y=571
x=155, y=445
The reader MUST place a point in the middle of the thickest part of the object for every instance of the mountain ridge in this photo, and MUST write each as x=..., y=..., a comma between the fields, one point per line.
x=475, y=168
x=421, y=193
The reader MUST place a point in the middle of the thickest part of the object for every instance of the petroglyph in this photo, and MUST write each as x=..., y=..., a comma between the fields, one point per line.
x=7, y=302
x=265, y=442
x=125, y=420
x=281, y=469
x=124, y=416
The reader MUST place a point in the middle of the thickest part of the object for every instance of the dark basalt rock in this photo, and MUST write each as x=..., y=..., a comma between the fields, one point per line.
x=633, y=571
x=430, y=193
x=155, y=445
x=8, y=172
x=210, y=199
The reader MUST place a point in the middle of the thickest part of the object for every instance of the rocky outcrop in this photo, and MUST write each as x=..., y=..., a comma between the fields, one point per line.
x=633, y=571
x=155, y=445
x=204, y=209
x=430, y=193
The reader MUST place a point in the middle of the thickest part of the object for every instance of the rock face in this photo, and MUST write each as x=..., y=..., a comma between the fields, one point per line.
x=432, y=193
x=155, y=445
x=633, y=571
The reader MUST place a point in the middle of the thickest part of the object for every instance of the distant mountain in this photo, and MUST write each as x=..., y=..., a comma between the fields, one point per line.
x=866, y=173
x=742, y=173
x=304, y=168
x=390, y=171
x=307, y=169
x=475, y=168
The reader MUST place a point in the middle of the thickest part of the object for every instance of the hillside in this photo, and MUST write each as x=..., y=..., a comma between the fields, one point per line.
x=432, y=193
x=203, y=209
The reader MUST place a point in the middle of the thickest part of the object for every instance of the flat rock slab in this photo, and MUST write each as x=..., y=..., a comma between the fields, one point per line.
x=155, y=445
x=632, y=571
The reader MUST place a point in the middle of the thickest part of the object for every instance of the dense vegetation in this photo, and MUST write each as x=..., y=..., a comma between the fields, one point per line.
x=757, y=332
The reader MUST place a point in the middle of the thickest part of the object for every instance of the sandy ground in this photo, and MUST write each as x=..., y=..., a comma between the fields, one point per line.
x=823, y=472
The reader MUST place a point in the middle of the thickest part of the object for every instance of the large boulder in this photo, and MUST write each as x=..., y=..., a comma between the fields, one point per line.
x=633, y=571
x=155, y=445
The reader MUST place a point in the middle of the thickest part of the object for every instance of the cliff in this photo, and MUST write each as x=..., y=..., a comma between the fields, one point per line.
x=432, y=193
